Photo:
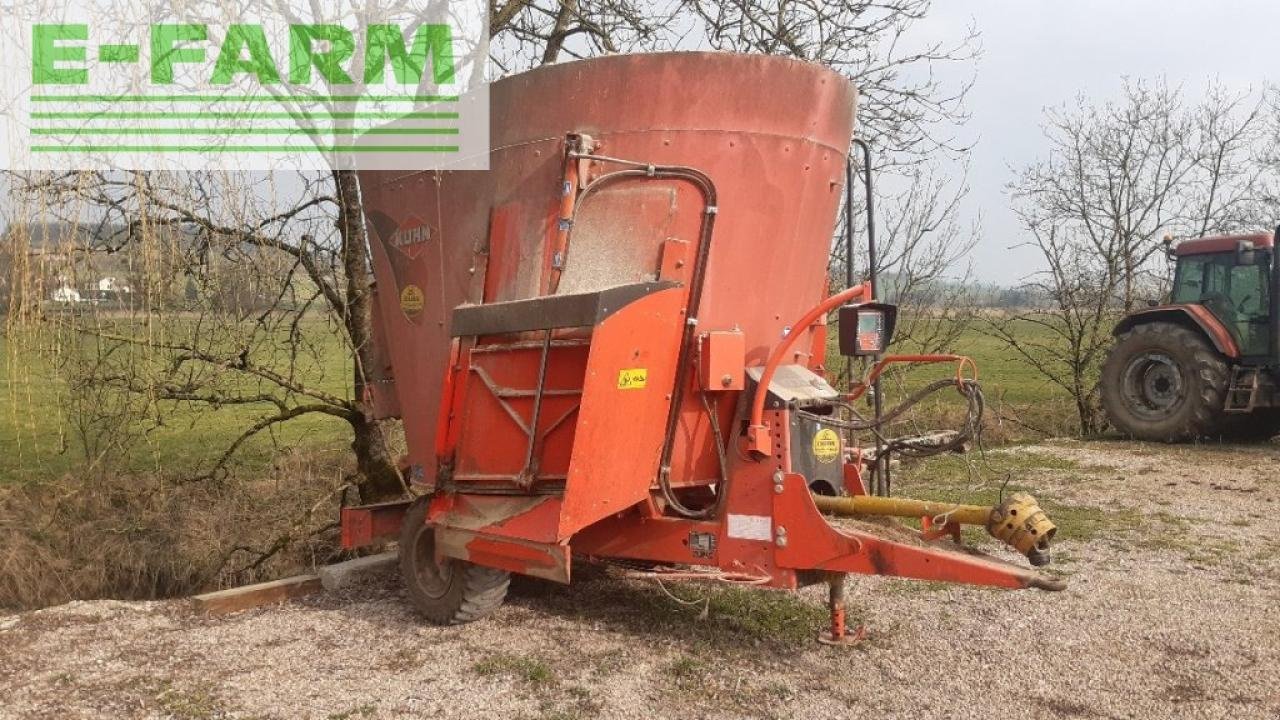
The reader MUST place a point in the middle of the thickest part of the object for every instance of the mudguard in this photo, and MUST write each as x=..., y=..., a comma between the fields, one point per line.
x=1195, y=317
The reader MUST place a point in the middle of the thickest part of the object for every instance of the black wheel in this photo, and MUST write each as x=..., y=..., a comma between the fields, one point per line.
x=447, y=591
x=1164, y=382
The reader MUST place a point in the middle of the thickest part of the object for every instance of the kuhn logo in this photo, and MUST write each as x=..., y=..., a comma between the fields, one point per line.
x=411, y=237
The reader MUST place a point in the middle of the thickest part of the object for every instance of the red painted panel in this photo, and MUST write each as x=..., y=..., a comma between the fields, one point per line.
x=1199, y=314
x=721, y=356
x=532, y=517
x=491, y=443
x=622, y=421
x=1222, y=243
x=366, y=524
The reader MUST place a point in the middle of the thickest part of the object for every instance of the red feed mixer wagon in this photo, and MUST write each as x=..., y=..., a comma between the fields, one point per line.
x=612, y=345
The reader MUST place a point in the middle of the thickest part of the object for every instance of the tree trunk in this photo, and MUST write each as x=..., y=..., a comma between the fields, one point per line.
x=558, y=34
x=376, y=473
x=377, y=476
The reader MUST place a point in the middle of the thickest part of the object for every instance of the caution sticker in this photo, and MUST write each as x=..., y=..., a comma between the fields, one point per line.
x=412, y=300
x=633, y=378
x=826, y=445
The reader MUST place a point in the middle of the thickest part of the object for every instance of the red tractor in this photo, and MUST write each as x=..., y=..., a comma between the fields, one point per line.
x=1206, y=363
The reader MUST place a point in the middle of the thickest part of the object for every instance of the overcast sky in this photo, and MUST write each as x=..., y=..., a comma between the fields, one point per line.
x=1038, y=53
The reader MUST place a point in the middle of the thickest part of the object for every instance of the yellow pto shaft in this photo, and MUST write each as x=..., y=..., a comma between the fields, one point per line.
x=1018, y=521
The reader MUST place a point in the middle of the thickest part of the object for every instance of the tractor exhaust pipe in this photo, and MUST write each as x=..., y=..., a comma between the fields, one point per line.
x=1273, y=302
x=883, y=481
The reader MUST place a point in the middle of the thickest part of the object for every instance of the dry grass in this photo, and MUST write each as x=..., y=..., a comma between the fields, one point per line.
x=140, y=537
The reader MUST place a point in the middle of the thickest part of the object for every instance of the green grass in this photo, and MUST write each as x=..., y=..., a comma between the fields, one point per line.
x=366, y=710
x=1000, y=370
x=41, y=438
x=32, y=436
x=1021, y=403
x=708, y=620
x=978, y=481
x=957, y=479
x=763, y=614
x=198, y=703
x=532, y=670
x=688, y=670
x=1002, y=374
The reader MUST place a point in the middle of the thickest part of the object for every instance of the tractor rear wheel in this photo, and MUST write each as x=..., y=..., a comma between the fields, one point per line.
x=1165, y=383
x=447, y=591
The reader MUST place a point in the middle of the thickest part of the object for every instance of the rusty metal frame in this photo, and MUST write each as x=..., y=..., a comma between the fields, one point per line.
x=502, y=393
x=550, y=561
x=365, y=525
x=534, y=444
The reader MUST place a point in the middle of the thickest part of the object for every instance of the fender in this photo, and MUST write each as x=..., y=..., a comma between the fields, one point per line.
x=1190, y=316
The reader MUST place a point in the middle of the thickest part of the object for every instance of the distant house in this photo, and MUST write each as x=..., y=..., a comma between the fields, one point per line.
x=66, y=294
x=113, y=284
x=80, y=263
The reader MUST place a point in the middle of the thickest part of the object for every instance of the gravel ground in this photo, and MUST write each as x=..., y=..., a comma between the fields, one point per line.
x=1169, y=614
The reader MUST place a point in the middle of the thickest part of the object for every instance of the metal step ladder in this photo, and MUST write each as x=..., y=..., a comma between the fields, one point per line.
x=1242, y=391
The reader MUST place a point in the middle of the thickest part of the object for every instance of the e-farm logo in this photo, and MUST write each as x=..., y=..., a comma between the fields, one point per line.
x=378, y=93
x=245, y=49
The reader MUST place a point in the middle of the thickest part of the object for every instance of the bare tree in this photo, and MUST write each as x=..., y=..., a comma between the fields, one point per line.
x=1269, y=157
x=529, y=33
x=262, y=281
x=1117, y=177
x=905, y=110
x=6, y=275
x=921, y=252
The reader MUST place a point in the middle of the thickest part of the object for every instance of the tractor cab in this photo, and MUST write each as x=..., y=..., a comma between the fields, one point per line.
x=1230, y=276
x=1208, y=363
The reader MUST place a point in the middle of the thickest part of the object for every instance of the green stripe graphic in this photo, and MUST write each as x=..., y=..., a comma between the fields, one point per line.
x=390, y=115
x=243, y=98
x=244, y=148
x=243, y=131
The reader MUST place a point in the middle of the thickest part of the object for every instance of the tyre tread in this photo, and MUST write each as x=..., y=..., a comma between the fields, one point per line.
x=1204, y=414
x=475, y=591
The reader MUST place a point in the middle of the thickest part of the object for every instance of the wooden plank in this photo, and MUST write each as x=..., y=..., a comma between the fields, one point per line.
x=252, y=596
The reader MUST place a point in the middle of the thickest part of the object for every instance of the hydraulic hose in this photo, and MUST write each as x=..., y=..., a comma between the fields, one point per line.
x=972, y=427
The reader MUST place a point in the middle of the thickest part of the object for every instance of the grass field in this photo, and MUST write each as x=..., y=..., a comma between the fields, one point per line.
x=40, y=439
x=1021, y=403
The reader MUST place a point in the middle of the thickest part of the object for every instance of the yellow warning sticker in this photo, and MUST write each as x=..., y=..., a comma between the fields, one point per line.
x=412, y=300
x=826, y=445
x=633, y=378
